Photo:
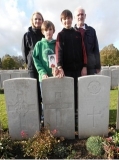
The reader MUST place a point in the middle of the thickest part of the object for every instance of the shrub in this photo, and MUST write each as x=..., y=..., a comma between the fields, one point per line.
x=6, y=146
x=94, y=145
x=111, y=145
x=61, y=151
x=41, y=144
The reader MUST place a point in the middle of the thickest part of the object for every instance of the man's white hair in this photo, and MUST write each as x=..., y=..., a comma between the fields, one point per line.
x=79, y=8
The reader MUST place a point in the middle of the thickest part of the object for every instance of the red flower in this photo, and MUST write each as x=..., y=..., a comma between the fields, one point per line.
x=23, y=134
x=109, y=139
x=117, y=149
x=54, y=131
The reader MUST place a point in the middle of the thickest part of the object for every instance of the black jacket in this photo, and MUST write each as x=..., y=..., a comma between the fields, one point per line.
x=69, y=50
x=29, y=40
x=92, y=48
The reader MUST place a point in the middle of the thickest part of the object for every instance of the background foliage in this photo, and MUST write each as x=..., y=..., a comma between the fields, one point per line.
x=109, y=56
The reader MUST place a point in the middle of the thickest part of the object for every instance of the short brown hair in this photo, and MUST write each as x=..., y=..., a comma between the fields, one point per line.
x=66, y=13
x=46, y=25
x=32, y=18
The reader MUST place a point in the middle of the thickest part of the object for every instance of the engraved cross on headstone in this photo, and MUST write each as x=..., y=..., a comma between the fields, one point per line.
x=21, y=109
x=59, y=106
x=94, y=114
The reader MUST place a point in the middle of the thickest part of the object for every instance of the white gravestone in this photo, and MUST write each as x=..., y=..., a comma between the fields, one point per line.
x=104, y=67
x=114, y=78
x=106, y=72
x=93, y=105
x=24, y=74
x=112, y=67
x=22, y=106
x=117, y=67
x=4, y=76
x=58, y=103
x=15, y=75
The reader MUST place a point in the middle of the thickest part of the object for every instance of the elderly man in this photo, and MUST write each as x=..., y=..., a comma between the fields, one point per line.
x=89, y=42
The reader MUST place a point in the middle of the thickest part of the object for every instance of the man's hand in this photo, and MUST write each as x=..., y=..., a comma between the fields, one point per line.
x=84, y=71
x=98, y=70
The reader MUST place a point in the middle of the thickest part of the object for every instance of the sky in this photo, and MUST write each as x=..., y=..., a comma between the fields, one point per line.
x=15, y=15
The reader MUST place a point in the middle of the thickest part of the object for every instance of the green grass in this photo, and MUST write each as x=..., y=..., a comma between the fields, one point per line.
x=113, y=106
x=3, y=112
x=112, y=112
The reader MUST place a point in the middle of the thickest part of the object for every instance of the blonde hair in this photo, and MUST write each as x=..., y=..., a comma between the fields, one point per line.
x=46, y=25
x=32, y=18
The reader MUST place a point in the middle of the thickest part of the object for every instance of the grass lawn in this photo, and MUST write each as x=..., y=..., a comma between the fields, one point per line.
x=113, y=109
x=113, y=106
x=3, y=112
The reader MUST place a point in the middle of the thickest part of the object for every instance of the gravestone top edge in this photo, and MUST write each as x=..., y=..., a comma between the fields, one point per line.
x=57, y=78
x=94, y=76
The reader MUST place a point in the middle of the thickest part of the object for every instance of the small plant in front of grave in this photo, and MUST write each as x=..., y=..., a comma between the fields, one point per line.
x=63, y=151
x=111, y=145
x=115, y=138
x=40, y=146
x=94, y=145
x=10, y=149
x=6, y=146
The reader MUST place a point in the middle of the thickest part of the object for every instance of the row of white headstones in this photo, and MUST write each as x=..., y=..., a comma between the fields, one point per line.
x=112, y=72
x=58, y=102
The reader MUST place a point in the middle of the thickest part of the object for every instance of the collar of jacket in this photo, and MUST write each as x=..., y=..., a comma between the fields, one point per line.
x=86, y=26
x=70, y=29
x=34, y=30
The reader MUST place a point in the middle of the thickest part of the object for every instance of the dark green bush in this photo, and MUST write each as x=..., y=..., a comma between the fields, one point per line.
x=94, y=145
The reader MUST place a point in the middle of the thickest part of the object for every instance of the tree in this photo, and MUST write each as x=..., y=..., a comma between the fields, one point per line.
x=19, y=61
x=109, y=55
x=8, y=63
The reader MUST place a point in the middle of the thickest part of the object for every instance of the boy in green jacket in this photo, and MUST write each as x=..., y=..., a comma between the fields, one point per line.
x=43, y=49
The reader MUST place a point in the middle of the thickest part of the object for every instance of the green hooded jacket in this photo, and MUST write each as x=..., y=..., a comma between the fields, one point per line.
x=41, y=51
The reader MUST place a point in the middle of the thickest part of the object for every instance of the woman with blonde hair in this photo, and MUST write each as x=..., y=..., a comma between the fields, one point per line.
x=30, y=38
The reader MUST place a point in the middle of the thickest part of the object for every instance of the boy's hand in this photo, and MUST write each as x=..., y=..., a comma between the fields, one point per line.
x=61, y=73
x=55, y=71
x=44, y=76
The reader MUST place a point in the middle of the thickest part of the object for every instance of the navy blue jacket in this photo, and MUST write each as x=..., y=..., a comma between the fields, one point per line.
x=92, y=48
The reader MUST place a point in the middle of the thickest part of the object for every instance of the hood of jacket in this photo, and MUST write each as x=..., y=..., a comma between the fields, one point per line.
x=34, y=31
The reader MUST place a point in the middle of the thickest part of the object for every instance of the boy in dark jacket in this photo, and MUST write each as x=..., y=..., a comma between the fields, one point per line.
x=71, y=60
